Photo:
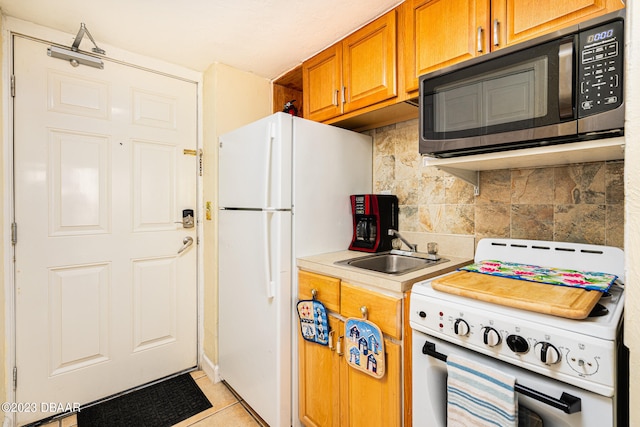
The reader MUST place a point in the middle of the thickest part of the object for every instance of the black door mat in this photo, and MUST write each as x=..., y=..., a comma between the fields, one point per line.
x=159, y=405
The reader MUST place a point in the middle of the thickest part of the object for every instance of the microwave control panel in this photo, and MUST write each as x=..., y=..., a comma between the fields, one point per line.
x=600, y=69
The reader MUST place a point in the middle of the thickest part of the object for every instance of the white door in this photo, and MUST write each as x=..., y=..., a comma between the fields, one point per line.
x=104, y=302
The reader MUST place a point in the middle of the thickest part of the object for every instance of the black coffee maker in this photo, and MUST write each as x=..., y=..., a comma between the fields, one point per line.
x=373, y=216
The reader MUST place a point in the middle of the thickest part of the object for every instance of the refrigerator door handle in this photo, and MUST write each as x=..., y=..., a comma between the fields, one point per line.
x=267, y=255
x=267, y=169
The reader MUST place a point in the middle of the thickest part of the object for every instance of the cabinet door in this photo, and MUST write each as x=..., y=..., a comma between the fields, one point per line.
x=442, y=32
x=383, y=310
x=326, y=289
x=322, y=84
x=319, y=381
x=519, y=20
x=369, y=63
x=369, y=401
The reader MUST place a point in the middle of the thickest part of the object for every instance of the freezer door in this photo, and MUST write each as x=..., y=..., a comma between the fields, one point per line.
x=255, y=313
x=255, y=165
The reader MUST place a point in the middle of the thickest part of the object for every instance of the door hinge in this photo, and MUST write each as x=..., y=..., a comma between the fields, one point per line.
x=13, y=86
x=14, y=233
x=200, y=160
x=15, y=378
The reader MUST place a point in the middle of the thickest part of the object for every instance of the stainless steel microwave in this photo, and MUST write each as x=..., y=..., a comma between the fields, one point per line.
x=563, y=87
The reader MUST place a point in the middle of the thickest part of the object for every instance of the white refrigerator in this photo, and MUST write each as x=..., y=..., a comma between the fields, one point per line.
x=284, y=186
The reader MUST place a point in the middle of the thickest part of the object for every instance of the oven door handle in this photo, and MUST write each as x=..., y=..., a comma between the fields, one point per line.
x=567, y=403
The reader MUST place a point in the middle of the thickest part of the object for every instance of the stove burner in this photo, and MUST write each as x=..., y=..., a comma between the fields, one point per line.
x=599, y=310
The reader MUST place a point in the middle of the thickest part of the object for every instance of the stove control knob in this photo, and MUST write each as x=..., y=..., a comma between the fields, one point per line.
x=491, y=337
x=461, y=328
x=547, y=353
x=517, y=344
x=422, y=314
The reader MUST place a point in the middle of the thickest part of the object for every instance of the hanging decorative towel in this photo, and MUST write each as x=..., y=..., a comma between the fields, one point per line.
x=365, y=347
x=313, y=321
x=479, y=395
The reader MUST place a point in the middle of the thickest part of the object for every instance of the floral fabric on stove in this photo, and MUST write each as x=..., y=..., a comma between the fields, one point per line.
x=553, y=276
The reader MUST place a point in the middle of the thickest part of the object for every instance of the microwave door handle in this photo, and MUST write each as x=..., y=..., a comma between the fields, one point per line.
x=565, y=80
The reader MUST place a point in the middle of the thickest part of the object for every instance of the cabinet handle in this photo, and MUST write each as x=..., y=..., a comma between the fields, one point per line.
x=344, y=94
x=480, y=31
x=365, y=312
x=331, y=335
x=339, y=346
x=496, y=35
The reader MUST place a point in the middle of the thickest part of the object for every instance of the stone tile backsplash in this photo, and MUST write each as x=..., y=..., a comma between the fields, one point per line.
x=575, y=203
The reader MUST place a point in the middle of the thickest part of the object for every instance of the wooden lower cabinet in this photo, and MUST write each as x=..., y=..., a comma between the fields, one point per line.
x=367, y=401
x=331, y=393
x=319, y=381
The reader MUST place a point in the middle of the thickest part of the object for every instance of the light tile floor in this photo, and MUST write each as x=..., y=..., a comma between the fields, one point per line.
x=227, y=410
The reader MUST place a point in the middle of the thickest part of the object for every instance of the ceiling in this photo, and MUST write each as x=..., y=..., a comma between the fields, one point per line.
x=266, y=37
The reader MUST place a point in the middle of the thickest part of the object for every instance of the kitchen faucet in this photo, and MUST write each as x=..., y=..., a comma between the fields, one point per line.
x=395, y=233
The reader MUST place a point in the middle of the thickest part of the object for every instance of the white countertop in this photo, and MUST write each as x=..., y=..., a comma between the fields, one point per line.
x=325, y=264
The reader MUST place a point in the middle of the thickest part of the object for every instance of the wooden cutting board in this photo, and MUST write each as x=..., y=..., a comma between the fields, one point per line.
x=562, y=301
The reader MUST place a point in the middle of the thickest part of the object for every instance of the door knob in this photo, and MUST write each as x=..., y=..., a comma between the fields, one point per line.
x=186, y=242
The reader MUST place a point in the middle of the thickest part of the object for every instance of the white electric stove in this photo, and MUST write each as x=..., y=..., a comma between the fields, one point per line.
x=568, y=370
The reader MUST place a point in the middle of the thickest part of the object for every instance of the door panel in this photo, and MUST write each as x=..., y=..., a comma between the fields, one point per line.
x=153, y=109
x=104, y=302
x=80, y=336
x=154, y=286
x=153, y=186
x=73, y=94
x=79, y=165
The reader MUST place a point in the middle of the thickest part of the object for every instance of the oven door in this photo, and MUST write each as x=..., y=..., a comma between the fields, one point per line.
x=430, y=390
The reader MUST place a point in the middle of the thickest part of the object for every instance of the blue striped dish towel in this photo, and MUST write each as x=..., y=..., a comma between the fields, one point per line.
x=479, y=395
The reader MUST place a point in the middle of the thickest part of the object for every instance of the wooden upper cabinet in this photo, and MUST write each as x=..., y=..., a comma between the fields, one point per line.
x=438, y=33
x=369, y=63
x=322, y=83
x=520, y=20
x=357, y=72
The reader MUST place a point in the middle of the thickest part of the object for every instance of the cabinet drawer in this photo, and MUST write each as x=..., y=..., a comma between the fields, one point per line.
x=383, y=310
x=327, y=289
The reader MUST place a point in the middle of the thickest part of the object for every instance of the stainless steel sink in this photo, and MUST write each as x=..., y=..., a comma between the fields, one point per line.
x=394, y=262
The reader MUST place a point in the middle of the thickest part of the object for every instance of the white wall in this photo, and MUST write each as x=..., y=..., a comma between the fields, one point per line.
x=232, y=98
x=632, y=206
x=3, y=225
